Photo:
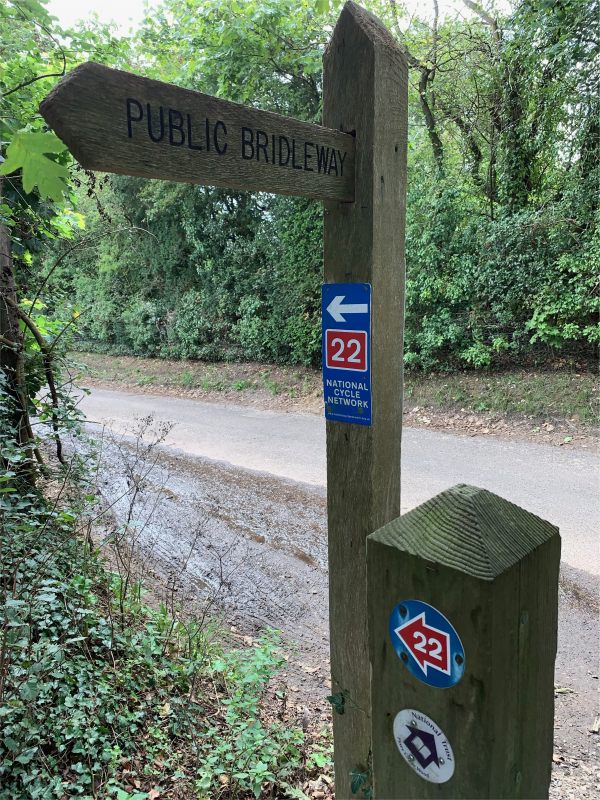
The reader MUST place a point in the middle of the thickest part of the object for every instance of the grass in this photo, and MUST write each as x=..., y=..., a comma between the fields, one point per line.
x=293, y=382
x=551, y=394
x=241, y=386
x=543, y=394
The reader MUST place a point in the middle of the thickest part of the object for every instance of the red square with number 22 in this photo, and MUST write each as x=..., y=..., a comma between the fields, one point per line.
x=346, y=350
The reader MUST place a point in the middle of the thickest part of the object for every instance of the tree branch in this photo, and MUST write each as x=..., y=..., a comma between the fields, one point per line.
x=7, y=343
x=47, y=357
x=425, y=76
x=50, y=74
x=434, y=138
x=486, y=18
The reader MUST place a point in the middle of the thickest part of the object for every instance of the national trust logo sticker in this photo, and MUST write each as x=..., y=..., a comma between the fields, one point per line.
x=424, y=746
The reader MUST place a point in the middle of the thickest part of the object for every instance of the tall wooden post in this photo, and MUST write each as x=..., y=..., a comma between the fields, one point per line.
x=119, y=122
x=365, y=93
x=463, y=603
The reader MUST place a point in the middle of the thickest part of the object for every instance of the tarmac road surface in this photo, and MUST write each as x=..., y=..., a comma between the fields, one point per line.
x=559, y=484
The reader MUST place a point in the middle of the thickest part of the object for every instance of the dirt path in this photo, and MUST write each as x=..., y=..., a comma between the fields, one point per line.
x=256, y=546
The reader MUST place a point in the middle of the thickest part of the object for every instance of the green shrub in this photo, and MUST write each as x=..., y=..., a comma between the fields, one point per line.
x=84, y=692
x=242, y=747
x=141, y=329
x=237, y=276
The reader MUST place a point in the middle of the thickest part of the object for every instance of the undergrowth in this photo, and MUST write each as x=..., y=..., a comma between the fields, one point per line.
x=102, y=696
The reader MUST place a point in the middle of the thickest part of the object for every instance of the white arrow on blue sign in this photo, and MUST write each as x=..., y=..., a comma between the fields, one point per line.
x=346, y=310
x=337, y=308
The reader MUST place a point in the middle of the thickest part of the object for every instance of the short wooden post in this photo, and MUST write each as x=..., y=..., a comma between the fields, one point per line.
x=489, y=570
x=365, y=93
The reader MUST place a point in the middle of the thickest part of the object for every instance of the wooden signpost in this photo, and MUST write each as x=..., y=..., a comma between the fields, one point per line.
x=452, y=696
x=365, y=91
x=118, y=122
x=463, y=603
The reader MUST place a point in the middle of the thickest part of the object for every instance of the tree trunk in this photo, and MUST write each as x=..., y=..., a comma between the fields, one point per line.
x=430, y=121
x=11, y=352
x=9, y=320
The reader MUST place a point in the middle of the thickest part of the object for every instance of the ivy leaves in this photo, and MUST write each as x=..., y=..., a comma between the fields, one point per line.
x=31, y=152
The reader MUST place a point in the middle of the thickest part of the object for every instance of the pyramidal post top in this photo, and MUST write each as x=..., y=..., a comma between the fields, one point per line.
x=468, y=529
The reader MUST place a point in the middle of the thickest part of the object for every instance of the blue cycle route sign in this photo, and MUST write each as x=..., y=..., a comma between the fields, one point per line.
x=346, y=314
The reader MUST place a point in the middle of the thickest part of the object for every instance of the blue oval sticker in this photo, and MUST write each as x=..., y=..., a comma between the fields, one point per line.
x=427, y=644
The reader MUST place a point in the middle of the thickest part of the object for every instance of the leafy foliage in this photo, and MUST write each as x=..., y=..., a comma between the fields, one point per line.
x=35, y=211
x=28, y=151
x=205, y=275
x=95, y=688
x=502, y=209
x=502, y=255
x=247, y=751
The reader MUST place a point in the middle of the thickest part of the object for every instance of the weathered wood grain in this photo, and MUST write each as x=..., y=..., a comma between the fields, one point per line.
x=115, y=121
x=365, y=93
x=492, y=569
